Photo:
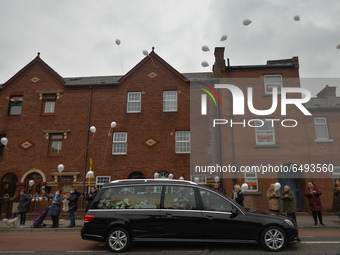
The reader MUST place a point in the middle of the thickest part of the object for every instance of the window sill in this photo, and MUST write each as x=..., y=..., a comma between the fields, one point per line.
x=270, y=95
x=323, y=140
x=266, y=146
x=252, y=193
x=182, y=153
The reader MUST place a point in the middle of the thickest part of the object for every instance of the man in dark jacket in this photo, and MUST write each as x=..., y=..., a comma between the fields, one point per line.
x=73, y=198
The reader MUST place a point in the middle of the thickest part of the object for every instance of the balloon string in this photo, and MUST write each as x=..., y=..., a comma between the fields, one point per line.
x=252, y=30
x=85, y=148
x=107, y=142
x=153, y=62
x=120, y=57
x=6, y=155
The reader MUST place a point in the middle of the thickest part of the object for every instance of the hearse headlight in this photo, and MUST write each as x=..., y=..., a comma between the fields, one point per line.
x=289, y=222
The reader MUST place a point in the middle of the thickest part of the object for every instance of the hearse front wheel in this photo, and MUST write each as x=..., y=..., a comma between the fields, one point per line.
x=118, y=240
x=273, y=239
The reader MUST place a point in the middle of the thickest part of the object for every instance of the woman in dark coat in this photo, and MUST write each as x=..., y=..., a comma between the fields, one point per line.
x=313, y=194
x=336, y=197
x=73, y=198
x=54, y=210
x=23, y=207
x=238, y=195
x=89, y=197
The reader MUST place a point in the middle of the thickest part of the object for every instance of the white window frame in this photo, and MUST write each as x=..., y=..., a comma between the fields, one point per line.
x=178, y=142
x=336, y=172
x=165, y=101
x=134, y=101
x=267, y=83
x=321, y=124
x=258, y=130
x=100, y=184
x=250, y=176
x=202, y=178
x=119, y=142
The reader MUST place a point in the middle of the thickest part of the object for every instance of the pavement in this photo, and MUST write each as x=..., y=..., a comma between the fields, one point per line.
x=304, y=222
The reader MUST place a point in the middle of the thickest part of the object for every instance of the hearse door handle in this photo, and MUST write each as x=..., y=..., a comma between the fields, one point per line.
x=209, y=217
x=168, y=215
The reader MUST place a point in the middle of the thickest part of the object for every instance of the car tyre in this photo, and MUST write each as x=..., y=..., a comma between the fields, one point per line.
x=118, y=240
x=273, y=238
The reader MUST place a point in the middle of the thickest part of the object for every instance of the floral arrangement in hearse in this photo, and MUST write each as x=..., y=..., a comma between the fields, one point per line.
x=108, y=204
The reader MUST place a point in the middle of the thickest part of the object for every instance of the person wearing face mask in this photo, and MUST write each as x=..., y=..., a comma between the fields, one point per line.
x=23, y=207
x=73, y=198
x=54, y=210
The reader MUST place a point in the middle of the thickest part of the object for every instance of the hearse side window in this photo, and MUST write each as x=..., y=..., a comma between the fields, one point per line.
x=137, y=197
x=213, y=202
x=181, y=198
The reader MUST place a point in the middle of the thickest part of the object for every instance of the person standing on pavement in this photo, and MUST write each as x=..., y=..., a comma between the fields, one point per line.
x=217, y=187
x=72, y=206
x=54, y=210
x=273, y=199
x=23, y=207
x=288, y=202
x=238, y=195
x=90, y=196
x=313, y=194
x=336, y=197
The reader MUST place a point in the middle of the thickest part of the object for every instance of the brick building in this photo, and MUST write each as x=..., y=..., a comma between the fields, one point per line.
x=47, y=118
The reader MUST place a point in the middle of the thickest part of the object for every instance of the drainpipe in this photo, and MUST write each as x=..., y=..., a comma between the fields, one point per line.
x=87, y=144
x=231, y=118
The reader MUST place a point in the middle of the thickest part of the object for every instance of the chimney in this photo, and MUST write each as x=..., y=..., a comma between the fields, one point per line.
x=327, y=92
x=219, y=65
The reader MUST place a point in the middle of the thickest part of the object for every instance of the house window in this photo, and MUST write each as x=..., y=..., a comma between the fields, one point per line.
x=119, y=143
x=2, y=147
x=321, y=128
x=15, y=105
x=56, y=141
x=101, y=180
x=170, y=101
x=48, y=104
x=250, y=177
x=182, y=141
x=264, y=132
x=65, y=184
x=134, y=102
x=272, y=81
x=336, y=172
x=199, y=178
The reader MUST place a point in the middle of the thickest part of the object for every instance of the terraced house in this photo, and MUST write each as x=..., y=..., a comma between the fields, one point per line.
x=47, y=120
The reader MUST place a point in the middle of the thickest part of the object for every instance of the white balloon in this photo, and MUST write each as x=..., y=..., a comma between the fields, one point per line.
x=246, y=22
x=204, y=63
x=244, y=187
x=117, y=41
x=4, y=141
x=181, y=178
x=205, y=48
x=217, y=179
x=338, y=47
x=197, y=180
x=89, y=174
x=156, y=175
x=277, y=186
x=61, y=168
x=113, y=124
x=171, y=176
x=93, y=129
x=296, y=17
x=31, y=183
x=224, y=37
x=145, y=52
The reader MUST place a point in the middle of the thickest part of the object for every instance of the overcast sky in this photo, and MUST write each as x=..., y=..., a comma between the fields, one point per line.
x=77, y=38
